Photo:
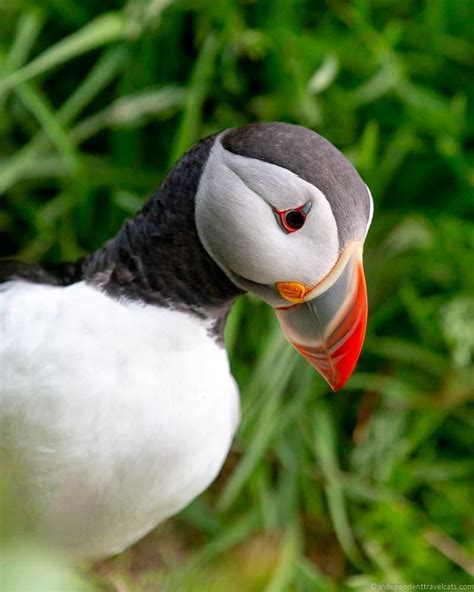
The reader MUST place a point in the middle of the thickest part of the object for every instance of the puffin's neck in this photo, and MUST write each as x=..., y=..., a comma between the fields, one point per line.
x=157, y=257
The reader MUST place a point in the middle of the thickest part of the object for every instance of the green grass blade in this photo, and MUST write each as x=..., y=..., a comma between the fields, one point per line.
x=101, y=31
x=130, y=111
x=232, y=325
x=21, y=164
x=50, y=123
x=284, y=572
x=267, y=425
x=325, y=450
x=28, y=28
x=188, y=131
x=232, y=535
x=102, y=73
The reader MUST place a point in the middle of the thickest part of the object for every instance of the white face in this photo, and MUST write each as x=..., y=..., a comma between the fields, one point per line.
x=236, y=206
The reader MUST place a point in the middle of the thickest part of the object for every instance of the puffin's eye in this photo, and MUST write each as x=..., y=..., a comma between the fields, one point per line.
x=293, y=219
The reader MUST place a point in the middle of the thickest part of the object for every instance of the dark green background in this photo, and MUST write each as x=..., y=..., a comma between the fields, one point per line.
x=322, y=491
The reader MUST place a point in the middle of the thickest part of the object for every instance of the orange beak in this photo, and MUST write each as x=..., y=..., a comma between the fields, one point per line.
x=326, y=323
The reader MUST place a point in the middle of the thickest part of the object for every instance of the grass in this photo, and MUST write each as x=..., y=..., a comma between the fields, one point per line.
x=321, y=492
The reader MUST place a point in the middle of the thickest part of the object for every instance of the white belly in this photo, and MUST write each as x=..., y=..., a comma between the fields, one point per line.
x=116, y=414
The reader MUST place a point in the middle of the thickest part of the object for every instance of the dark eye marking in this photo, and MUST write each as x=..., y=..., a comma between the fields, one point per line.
x=293, y=219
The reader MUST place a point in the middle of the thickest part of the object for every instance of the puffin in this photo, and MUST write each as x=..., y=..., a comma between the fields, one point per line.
x=117, y=404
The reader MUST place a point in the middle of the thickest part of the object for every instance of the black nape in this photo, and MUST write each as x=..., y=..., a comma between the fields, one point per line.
x=158, y=258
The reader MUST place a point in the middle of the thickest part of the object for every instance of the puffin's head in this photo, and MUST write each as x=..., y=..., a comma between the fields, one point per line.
x=284, y=214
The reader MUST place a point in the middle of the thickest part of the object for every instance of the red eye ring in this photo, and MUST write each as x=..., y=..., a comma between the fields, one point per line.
x=293, y=219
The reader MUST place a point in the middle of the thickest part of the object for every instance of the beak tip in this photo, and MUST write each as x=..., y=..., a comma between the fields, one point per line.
x=337, y=383
x=338, y=387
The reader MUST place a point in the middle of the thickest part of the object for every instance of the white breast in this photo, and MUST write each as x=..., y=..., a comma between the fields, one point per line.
x=116, y=414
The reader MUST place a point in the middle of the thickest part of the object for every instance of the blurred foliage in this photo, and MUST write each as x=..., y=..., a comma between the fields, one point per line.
x=322, y=492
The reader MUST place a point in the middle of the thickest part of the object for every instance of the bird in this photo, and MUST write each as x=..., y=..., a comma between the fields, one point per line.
x=118, y=406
